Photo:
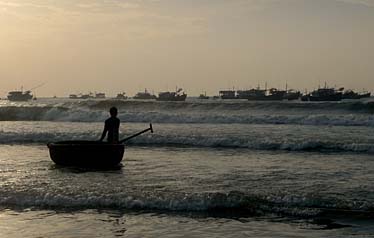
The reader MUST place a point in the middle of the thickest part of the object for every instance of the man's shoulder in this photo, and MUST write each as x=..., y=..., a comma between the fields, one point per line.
x=112, y=119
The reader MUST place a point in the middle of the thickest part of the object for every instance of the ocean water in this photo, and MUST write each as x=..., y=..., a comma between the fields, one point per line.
x=211, y=169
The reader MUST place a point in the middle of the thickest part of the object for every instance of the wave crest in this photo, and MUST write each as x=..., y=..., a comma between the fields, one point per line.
x=174, y=140
x=234, y=201
x=176, y=114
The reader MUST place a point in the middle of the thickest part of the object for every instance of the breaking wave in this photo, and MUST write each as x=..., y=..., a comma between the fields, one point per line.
x=233, y=105
x=196, y=113
x=235, y=202
x=180, y=140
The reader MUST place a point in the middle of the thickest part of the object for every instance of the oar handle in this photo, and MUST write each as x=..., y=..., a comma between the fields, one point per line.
x=137, y=134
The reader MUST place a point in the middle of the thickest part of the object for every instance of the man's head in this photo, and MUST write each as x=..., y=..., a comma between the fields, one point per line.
x=113, y=111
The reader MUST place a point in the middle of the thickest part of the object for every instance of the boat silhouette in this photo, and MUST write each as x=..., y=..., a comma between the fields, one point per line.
x=178, y=95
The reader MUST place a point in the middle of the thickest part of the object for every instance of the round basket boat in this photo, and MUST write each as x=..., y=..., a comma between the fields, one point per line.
x=86, y=153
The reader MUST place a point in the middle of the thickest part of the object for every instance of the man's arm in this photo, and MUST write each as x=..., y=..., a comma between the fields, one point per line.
x=104, y=132
x=116, y=132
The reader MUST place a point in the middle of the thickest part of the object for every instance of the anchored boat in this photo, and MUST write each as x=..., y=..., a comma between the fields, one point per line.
x=20, y=96
x=89, y=154
x=350, y=94
x=121, y=96
x=323, y=94
x=144, y=95
x=178, y=95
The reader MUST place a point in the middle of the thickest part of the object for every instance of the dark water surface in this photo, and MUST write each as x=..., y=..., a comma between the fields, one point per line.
x=294, y=170
x=188, y=192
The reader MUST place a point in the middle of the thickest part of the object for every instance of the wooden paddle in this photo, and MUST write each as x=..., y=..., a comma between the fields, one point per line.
x=137, y=134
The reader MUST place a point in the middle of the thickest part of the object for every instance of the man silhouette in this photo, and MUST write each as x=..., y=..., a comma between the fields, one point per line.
x=111, y=127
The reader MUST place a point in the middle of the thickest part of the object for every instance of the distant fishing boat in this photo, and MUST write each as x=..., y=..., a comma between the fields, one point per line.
x=244, y=94
x=250, y=94
x=87, y=96
x=203, y=96
x=255, y=94
x=324, y=94
x=272, y=94
x=276, y=94
x=227, y=94
x=292, y=95
x=121, y=96
x=82, y=96
x=20, y=96
x=144, y=95
x=100, y=95
x=350, y=94
x=178, y=95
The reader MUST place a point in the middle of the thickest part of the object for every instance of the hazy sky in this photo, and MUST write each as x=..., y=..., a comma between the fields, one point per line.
x=200, y=45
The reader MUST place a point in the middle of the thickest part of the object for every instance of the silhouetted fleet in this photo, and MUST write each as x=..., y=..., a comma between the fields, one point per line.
x=256, y=94
x=87, y=96
x=273, y=94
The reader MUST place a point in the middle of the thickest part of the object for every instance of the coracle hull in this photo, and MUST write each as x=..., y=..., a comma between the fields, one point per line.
x=90, y=154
